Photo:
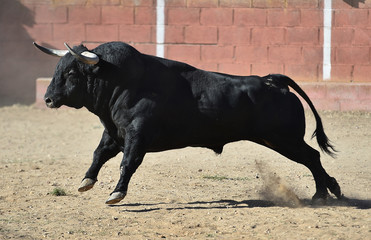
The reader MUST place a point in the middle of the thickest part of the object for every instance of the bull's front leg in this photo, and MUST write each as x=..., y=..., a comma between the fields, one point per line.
x=134, y=152
x=106, y=150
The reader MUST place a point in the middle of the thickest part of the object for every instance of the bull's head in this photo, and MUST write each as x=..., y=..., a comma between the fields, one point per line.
x=70, y=79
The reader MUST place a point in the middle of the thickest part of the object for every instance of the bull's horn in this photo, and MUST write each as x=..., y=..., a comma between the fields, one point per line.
x=85, y=57
x=53, y=52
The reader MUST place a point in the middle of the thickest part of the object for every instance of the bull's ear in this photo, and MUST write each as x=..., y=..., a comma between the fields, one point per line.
x=53, y=52
x=85, y=57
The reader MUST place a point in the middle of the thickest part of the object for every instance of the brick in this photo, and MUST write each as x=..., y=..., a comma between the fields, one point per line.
x=69, y=32
x=269, y=4
x=81, y=2
x=312, y=54
x=146, y=48
x=342, y=36
x=302, y=4
x=263, y=69
x=285, y=54
x=174, y=34
x=60, y=45
x=351, y=17
x=283, y=17
x=311, y=17
x=57, y=3
x=41, y=87
x=13, y=32
x=341, y=4
x=214, y=53
x=91, y=45
x=300, y=35
x=355, y=105
x=348, y=4
x=117, y=15
x=314, y=90
x=176, y=3
x=135, y=33
x=105, y=2
x=183, y=16
x=201, y=34
x=365, y=4
x=208, y=66
x=102, y=33
x=268, y=35
x=302, y=72
x=15, y=12
x=145, y=15
x=183, y=52
x=362, y=73
x=341, y=73
x=342, y=91
x=323, y=104
x=234, y=35
x=235, y=3
x=49, y=14
x=242, y=69
x=79, y=14
x=202, y=4
x=140, y=3
x=40, y=32
x=250, y=17
x=362, y=36
x=364, y=91
x=252, y=54
x=353, y=55
x=216, y=16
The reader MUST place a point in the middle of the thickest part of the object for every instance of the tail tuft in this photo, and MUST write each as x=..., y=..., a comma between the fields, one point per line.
x=324, y=143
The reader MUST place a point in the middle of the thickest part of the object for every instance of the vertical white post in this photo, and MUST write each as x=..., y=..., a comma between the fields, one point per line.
x=327, y=25
x=160, y=28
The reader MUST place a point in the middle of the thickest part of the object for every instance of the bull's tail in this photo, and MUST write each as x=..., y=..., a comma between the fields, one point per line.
x=322, y=139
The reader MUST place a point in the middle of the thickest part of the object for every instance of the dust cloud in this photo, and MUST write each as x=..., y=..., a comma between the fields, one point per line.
x=275, y=190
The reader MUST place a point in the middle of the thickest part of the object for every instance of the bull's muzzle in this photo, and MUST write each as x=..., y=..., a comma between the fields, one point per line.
x=49, y=102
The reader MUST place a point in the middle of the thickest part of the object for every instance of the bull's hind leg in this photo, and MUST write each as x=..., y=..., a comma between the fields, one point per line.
x=301, y=152
x=323, y=180
x=106, y=150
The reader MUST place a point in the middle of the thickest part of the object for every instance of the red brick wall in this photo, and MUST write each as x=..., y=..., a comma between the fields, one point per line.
x=233, y=36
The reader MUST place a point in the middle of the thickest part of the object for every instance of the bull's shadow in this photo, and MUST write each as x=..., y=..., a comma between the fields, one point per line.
x=231, y=204
x=219, y=204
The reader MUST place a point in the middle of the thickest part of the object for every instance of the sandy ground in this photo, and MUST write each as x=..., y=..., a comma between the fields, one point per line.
x=249, y=192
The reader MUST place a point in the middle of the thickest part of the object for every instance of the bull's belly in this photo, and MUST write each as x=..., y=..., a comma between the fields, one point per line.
x=203, y=135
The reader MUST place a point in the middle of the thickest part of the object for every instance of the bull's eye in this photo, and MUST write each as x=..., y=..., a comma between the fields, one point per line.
x=71, y=76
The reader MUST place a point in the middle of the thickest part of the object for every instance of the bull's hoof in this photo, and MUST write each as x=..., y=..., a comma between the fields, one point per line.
x=86, y=184
x=320, y=198
x=335, y=188
x=115, y=197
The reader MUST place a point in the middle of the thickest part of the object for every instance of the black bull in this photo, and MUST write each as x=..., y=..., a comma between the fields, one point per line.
x=150, y=104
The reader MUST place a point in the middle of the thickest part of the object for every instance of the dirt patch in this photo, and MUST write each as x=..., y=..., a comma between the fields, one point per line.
x=182, y=194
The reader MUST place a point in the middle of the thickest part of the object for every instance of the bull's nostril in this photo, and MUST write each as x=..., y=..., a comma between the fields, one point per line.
x=48, y=102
